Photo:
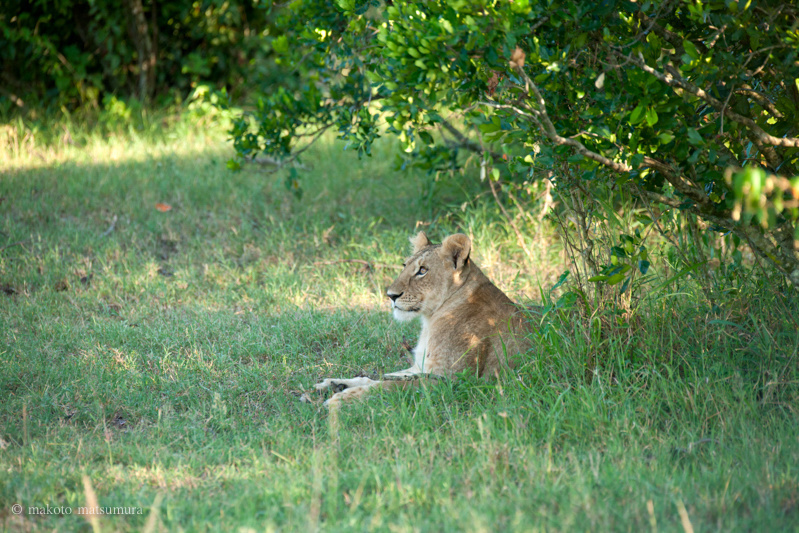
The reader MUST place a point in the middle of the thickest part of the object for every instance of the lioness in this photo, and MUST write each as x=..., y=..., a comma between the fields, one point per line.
x=467, y=322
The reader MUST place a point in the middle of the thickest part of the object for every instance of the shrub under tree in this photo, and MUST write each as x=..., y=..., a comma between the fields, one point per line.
x=690, y=105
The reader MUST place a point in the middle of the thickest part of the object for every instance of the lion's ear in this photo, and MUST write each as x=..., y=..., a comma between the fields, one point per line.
x=456, y=249
x=420, y=241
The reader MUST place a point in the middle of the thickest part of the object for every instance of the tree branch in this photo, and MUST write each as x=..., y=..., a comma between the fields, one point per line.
x=672, y=79
x=542, y=120
x=665, y=34
x=782, y=258
x=761, y=99
x=144, y=48
x=467, y=143
x=280, y=163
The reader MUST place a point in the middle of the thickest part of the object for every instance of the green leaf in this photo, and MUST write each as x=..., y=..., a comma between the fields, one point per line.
x=625, y=285
x=490, y=127
x=426, y=138
x=690, y=49
x=447, y=25
x=568, y=300
x=694, y=137
x=615, y=278
x=665, y=138
x=520, y=6
x=651, y=117
x=636, y=115
x=618, y=251
x=346, y=5
x=561, y=280
x=280, y=45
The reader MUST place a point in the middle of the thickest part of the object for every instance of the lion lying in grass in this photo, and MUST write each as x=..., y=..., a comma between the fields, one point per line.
x=467, y=322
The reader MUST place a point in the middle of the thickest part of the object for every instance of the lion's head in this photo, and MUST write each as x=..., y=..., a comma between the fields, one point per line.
x=430, y=275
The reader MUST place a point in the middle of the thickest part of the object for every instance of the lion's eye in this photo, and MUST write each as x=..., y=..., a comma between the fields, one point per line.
x=422, y=271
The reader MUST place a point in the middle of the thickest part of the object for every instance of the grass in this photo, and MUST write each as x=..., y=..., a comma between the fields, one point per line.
x=161, y=356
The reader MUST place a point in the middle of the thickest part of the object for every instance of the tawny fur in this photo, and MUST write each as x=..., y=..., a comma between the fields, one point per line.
x=468, y=324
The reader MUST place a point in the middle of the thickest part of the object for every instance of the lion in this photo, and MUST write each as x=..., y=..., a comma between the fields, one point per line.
x=468, y=324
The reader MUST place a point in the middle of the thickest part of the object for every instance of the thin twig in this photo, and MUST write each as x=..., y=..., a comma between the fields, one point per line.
x=111, y=228
x=292, y=159
x=726, y=103
x=265, y=160
x=652, y=22
x=538, y=24
x=18, y=243
x=696, y=444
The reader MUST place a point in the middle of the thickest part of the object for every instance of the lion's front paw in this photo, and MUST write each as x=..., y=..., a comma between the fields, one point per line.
x=335, y=385
x=338, y=385
x=347, y=395
x=345, y=389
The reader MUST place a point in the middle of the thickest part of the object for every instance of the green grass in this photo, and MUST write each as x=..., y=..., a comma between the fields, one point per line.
x=163, y=356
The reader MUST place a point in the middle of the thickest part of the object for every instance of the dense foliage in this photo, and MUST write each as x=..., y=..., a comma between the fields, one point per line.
x=690, y=105
x=75, y=53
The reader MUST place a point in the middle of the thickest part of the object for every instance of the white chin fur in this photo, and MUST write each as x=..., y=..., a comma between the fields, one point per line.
x=404, y=316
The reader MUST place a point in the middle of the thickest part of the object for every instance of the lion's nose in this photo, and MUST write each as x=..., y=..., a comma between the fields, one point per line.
x=393, y=295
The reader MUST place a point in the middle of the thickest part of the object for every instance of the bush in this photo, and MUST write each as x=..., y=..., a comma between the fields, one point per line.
x=690, y=106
